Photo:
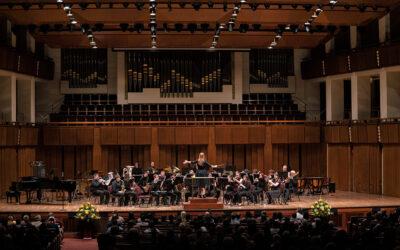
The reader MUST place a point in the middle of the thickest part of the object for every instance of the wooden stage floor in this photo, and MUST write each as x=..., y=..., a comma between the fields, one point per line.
x=340, y=200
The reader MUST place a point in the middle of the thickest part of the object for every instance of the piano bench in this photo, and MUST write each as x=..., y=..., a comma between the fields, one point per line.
x=11, y=194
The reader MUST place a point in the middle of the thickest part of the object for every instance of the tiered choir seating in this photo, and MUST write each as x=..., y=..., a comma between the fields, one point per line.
x=255, y=107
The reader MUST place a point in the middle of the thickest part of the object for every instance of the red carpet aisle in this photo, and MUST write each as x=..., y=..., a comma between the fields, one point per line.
x=73, y=244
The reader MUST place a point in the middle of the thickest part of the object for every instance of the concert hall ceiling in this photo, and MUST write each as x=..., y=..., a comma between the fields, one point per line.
x=190, y=23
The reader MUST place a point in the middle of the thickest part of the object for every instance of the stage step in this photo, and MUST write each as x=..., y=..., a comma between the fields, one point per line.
x=202, y=204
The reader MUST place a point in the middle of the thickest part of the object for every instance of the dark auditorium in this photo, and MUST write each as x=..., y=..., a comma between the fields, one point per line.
x=200, y=124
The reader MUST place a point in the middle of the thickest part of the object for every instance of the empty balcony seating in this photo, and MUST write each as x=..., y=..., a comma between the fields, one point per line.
x=255, y=107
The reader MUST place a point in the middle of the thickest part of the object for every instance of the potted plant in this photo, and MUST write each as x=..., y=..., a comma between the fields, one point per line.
x=87, y=217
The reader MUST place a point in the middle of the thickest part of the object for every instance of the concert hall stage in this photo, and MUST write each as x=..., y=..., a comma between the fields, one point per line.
x=347, y=204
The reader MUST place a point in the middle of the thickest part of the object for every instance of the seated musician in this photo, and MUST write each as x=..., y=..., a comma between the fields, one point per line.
x=284, y=173
x=136, y=170
x=130, y=192
x=118, y=189
x=202, y=167
x=152, y=169
x=260, y=185
x=171, y=190
x=245, y=189
x=157, y=189
x=230, y=190
x=98, y=187
x=273, y=187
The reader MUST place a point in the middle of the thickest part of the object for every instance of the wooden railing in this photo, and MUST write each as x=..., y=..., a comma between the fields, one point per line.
x=352, y=61
x=25, y=63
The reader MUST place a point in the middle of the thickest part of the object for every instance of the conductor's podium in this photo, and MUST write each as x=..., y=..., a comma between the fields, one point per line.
x=202, y=204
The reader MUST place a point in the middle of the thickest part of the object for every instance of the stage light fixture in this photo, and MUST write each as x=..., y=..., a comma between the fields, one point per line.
x=192, y=27
x=139, y=27
x=26, y=6
x=307, y=7
x=123, y=26
x=243, y=28
x=83, y=6
x=256, y=26
x=139, y=6
x=58, y=27
x=204, y=27
x=196, y=6
x=253, y=6
x=99, y=26
x=178, y=27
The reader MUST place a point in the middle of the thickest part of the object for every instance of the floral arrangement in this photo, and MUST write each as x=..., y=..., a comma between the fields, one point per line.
x=87, y=212
x=321, y=208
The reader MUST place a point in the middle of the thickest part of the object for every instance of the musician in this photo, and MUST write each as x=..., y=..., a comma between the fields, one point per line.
x=171, y=190
x=98, y=187
x=130, y=192
x=157, y=189
x=136, y=170
x=273, y=187
x=152, y=169
x=118, y=189
x=260, y=185
x=230, y=190
x=245, y=189
x=202, y=167
x=284, y=173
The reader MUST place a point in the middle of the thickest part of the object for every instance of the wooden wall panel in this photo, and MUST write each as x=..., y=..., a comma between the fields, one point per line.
x=313, y=160
x=224, y=154
x=279, y=156
x=84, y=161
x=29, y=136
x=294, y=156
x=52, y=157
x=391, y=170
x=312, y=134
x=11, y=136
x=110, y=159
x=279, y=134
x=200, y=135
x=8, y=168
x=84, y=136
x=367, y=169
x=68, y=136
x=109, y=136
x=69, y=161
x=296, y=134
x=359, y=134
x=3, y=136
x=183, y=135
x=168, y=156
x=126, y=136
x=51, y=136
x=223, y=135
x=143, y=136
x=239, y=157
x=389, y=133
x=256, y=135
x=255, y=157
x=240, y=135
x=25, y=156
x=339, y=166
x=372, y=133
x=166, y=136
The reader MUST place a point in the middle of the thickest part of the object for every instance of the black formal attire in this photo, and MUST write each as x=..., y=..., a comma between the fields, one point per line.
x=98, y=189
x=130, y=194
x=116, y=191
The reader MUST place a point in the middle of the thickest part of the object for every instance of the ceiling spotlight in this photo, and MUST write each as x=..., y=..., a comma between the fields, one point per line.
x=270, y=47
x=73, y=21
x=67, y=8
x=178, y=27
x=243, y=28
x=83, y=6
x=60, y=1
x=192, y=27
x=124, y=26
x=69, y=14
x=196, y=5
x=204, y=27
x=243, y=1
x=256, y=26
x=333, y=2
x=90, y=34
x=94, y=47
x=307, y=23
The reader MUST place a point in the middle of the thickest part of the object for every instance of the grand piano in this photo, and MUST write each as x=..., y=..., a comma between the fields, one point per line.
x=30, y=184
